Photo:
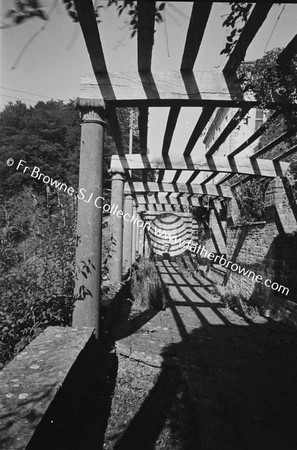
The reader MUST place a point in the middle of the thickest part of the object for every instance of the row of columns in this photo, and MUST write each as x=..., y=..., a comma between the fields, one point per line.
x=127, y=238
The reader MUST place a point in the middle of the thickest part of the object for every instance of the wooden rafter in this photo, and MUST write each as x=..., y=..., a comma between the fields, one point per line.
x=243, y=180
x=231, y=125
x=145, y=35
x=260, y=167
x=197, y=25
x=193, y=177
x=254, y=23
x=89, y=26
x=285, y=154
x=197, y=189
x=171, y=88
x=162, y=208
x=176, y=176
x=209, y=177
x=256, y=134
x=112, y=117
x=170, y=127
x=165, y=89
x=206, y=114
x=274, y=143
x=185, y=201
x=142, y=127
x=225, y=178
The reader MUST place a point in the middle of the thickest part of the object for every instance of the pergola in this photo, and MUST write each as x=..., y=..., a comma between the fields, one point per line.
x=103, y=92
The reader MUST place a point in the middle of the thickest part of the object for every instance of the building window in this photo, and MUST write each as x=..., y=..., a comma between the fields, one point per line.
x=259, y=118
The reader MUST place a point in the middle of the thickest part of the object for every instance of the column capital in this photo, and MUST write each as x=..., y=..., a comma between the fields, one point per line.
x=128, y=196
x=91, y=110
x=118, y=176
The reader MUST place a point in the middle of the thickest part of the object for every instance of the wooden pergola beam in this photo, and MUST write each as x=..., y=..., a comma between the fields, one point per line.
x=254, y=23
x=231, y=125
x=171, y=88
x=163, y=208
x=112, y=118
x=193, y=177
x=209, y=177
x=225, y=178
x=274, y=143
x=176, y=176
x=184, y=201
x=199, y=17
x=143, y=127
x=89, y=26
x=170, y=127
x=145, y=35
x=204, y=117
x=243, y=180
x=248, y=166
x=285, y=154
x=256, y=134
x=137, y=187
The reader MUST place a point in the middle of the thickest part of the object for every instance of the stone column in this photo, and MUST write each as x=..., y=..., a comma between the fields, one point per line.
x=127, y=240
x=140, y=243
x=89, y=218
x=137, y=236
x=134, y=234
x=116, y=225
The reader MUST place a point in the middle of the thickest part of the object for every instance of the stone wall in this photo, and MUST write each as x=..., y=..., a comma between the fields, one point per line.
x=267, y=248
x=216, y=241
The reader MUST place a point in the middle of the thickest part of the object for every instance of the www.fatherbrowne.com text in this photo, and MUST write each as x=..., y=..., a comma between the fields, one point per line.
x=219, y=259
x=113, y=209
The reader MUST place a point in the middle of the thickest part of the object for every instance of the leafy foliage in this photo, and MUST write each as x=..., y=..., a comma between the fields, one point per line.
x=28, y=9
x=24, y=10
x=132, y=9
x=270, y=81
x=36, y=268
x=236, y=20
x=251, y=201
x=46, y=135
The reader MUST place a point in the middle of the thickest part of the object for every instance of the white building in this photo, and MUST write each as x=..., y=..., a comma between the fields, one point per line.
x=221, y=117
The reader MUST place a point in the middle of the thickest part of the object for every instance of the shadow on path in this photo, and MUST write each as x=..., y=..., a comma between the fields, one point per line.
x=237, y=378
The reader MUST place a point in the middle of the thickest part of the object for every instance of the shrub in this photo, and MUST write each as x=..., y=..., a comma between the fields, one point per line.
x=146, y=287
x=36, y=273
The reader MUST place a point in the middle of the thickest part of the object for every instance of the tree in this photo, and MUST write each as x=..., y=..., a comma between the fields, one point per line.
x=47, y=135
x=269, y=81
x=27, y=9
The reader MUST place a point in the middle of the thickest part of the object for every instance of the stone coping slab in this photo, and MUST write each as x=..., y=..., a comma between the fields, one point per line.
x=29, y=383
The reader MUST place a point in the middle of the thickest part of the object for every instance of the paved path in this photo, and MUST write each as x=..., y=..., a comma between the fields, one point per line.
x=238, y=377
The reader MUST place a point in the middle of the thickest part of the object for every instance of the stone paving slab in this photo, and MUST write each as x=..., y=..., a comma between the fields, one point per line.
x=241, y=372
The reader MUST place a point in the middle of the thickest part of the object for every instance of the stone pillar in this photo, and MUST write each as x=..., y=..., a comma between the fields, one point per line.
x=140, y=242
x=116, y=225
x=137, y=236
x=89, y=218
x=134, y=234
x=127, y=240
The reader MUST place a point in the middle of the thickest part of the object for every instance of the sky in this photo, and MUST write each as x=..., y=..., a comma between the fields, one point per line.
x=39, y=64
